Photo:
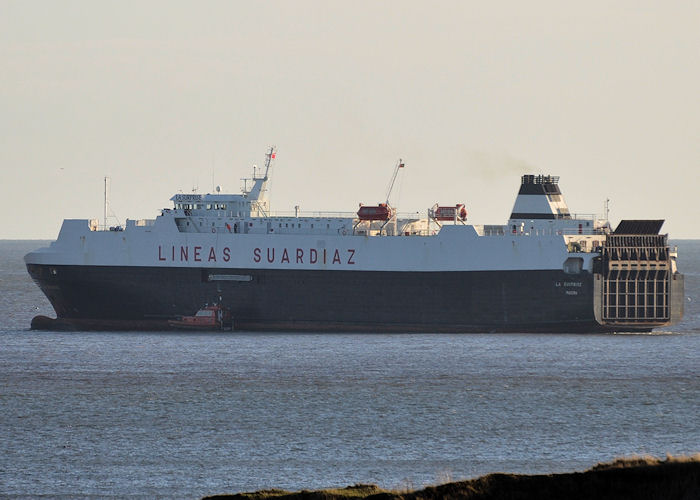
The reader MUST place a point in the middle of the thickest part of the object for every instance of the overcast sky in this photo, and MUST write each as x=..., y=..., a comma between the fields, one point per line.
x=159, y=95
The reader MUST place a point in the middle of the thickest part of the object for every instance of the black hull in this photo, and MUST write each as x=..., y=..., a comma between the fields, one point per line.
x=343, y=301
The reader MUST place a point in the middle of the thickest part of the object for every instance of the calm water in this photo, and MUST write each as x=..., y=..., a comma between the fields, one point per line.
x=185, y=415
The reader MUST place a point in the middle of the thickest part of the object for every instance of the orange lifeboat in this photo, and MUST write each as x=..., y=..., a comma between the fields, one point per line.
x=448, y=213
x=377, y=212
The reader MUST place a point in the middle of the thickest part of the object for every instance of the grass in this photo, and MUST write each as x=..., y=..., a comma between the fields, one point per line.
x=639, y=478
x=356, y=491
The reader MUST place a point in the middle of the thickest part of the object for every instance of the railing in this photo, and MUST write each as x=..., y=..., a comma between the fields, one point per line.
x=585, y=216
x=558, y=232
x=144, y=222
x=312, y=214
x=589, y=231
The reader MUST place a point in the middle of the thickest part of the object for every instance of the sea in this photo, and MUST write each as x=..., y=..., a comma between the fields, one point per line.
x=184, y=415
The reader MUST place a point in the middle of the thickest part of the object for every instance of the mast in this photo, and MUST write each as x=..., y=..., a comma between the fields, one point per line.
x=106, y=204
x=269, y=156
x=258, y=193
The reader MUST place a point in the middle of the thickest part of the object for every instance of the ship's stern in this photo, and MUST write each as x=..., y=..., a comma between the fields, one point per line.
x=637, y=286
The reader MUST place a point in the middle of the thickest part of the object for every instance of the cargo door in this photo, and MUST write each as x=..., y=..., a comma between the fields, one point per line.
x=636, y=284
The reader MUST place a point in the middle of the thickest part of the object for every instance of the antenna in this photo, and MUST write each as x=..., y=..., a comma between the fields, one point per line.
x=607, y=209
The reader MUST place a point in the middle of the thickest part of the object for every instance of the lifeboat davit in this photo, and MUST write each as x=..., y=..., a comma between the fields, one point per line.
x=377, y=212
x=448, y=213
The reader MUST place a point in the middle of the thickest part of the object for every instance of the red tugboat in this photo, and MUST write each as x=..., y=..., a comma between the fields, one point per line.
x=210, y=317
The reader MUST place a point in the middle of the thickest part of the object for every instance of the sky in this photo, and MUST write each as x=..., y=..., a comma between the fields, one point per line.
x=172, y=96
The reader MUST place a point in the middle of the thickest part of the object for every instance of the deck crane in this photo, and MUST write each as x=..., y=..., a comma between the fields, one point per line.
x=399, y=165
x=381, y=213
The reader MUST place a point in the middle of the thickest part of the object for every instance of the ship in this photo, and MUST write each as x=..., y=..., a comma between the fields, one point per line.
x=374, y=270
